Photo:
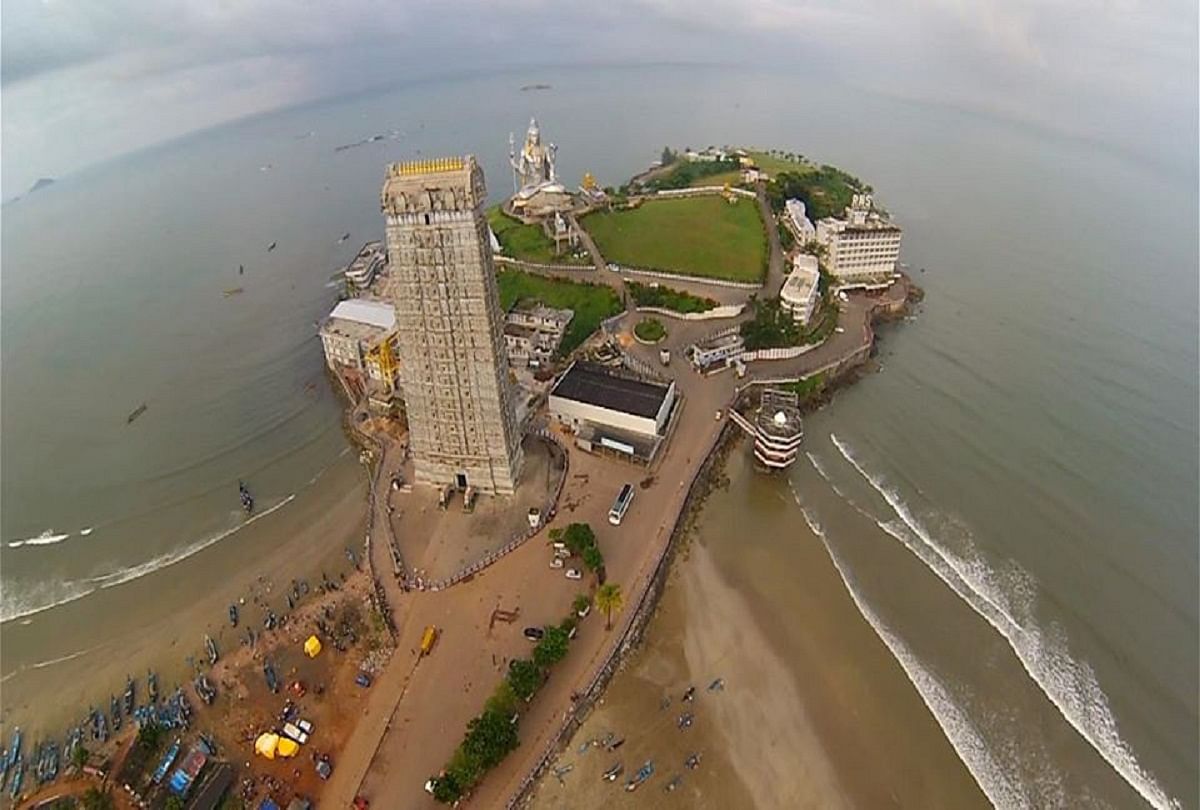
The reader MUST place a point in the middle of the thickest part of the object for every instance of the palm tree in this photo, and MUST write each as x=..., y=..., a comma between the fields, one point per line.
x=610, y=600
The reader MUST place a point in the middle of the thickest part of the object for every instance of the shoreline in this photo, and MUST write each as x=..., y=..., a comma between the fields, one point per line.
x=710, y=472
x=171, y=642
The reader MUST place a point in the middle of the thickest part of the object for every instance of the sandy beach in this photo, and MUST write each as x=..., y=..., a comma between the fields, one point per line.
x=161, y=618
x=814, y=712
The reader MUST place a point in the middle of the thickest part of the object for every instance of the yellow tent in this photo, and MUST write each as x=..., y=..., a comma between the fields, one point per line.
x=266, y=745
x=312, y=647
x=288, y=748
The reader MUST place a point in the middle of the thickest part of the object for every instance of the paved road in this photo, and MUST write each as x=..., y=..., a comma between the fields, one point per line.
x=775, y=269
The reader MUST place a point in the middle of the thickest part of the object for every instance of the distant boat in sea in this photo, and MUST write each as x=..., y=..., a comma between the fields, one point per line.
x=234, y=291
x=345, y=236
x=138, y=411
x=271, y=246
x=528, y=87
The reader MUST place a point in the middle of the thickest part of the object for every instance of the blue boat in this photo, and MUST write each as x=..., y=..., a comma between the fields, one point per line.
x=14, y=748
x=18, y=773
x=644, y=773
x=167, y=761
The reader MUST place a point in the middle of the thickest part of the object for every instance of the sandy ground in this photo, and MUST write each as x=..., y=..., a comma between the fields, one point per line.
x=437, y=544
x=814, y=712
x=299, y=542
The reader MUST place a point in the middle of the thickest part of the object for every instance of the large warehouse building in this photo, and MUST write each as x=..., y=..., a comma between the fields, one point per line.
x=616, y=412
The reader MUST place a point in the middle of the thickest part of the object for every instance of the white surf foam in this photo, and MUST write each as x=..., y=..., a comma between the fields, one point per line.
x=86, y=532
x=1000, y=789
x=62, y=659
x=46, y=538
x=171, y=558
x=1070, y=685
x=32, y=603
x=27, y=604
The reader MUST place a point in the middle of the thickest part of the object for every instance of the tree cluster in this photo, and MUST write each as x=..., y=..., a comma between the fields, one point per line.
x=494, y=732
x=825, y=190
x=686, y=172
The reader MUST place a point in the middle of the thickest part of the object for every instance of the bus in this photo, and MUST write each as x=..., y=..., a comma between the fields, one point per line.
x=621, y=505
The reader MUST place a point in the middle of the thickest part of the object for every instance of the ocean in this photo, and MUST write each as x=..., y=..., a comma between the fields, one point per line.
x=1010, y=503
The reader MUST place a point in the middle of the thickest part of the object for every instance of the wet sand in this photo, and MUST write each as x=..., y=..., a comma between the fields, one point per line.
x=160, y=619
x=815, y=712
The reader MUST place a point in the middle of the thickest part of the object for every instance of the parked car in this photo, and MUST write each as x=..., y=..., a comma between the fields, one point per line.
x=573, y=573
x=534, y=633
x=583, y=613
x=556, y=562
x=363, y=680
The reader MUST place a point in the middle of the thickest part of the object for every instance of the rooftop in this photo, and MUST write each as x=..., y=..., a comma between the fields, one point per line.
x=594, y=385
x=379, y=314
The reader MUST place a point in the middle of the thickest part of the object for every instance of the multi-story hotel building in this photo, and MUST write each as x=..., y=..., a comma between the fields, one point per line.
x=454, y=370
x=799, y=293
x=861, y=250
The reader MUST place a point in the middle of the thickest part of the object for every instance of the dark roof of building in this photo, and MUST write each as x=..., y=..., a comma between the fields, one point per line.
x=214, y=787
x=594, y=385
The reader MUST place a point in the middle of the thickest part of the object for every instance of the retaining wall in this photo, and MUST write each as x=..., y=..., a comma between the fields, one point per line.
x=727, y=311
x=633, y=627
x=667, y=274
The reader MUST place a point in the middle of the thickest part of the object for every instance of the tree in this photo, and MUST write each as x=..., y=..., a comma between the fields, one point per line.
x=668, y=157
x=79, y=756
x=581, y=603
x=490, y=737
x=524, y=677
x=95, y=799
x=446, y=788
x=552, y=648
x=593, y=559
x=503, y=700
x=610, y=600
x=578, y=536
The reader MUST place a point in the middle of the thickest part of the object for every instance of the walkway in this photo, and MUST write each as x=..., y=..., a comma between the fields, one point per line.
x=775, y=270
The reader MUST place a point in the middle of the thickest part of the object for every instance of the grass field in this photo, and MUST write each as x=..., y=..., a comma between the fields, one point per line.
x=733, y=178
x=774, y=165
x=526, y=242
x=592, y=303
x=698, y=236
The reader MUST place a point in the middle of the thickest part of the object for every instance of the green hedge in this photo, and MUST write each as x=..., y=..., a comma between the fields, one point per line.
x=656, y=295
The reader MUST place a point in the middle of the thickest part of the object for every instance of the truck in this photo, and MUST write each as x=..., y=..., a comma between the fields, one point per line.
x=428, y=638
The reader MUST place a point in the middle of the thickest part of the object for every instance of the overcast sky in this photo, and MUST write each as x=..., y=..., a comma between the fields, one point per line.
x=86, y=80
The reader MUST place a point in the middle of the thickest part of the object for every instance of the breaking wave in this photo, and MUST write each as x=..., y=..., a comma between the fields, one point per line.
x=1070, y=685
x=46, y=538
x=1000, y=789
x=16, y=607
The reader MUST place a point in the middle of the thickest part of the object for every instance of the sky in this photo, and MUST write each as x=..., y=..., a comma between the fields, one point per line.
x=84, y=81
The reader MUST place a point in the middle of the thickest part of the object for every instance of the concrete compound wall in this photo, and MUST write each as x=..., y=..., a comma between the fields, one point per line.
x=716, y=313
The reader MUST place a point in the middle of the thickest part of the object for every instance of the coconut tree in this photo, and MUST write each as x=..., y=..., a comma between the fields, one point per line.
x=610, y=600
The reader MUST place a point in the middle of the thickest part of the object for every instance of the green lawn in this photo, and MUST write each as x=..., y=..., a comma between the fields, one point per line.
x=650, y=330
x=698, y=236
x=774, y=165
x=527, y=243
x=733, y=178
x=656, y=295
x=592, y=303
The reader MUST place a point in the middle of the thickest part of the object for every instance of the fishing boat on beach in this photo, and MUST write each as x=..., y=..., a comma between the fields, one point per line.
x=18, y=774
x=114, y=707
x=644, y=773
x=272, y=678
x=138, y=411
x=129, y=696
x=612, y=773
x=152, y=686
x=211, y=647
x=233, y=615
